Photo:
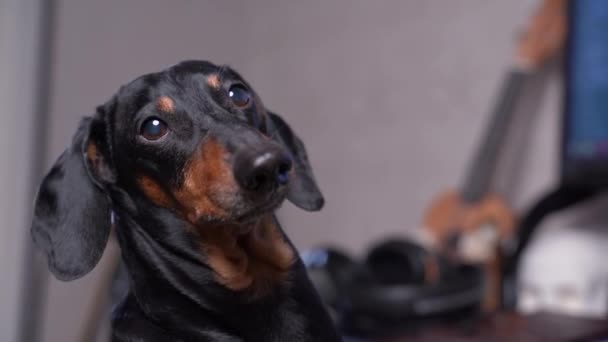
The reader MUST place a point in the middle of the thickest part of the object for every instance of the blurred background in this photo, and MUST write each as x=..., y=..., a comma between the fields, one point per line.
x=390, y=98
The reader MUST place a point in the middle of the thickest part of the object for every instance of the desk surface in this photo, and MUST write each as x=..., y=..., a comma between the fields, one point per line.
x=514, y=327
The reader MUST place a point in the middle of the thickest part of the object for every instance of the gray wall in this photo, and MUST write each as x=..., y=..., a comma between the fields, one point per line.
x=389, y=97
x=19, y=48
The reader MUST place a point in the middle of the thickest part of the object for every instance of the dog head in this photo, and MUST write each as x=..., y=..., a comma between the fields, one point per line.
x=194, y=139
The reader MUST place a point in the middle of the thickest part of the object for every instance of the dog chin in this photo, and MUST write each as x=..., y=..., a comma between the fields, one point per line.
x=255, y=211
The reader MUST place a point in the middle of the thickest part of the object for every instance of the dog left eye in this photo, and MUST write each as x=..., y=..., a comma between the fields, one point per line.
x=239, y=95
x=153, y=129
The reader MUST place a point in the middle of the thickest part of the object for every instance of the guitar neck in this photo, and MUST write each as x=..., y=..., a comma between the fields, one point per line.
x=480, y=171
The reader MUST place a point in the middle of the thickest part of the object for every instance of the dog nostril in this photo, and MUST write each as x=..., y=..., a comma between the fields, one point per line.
x=257, y=181
x=283, y=171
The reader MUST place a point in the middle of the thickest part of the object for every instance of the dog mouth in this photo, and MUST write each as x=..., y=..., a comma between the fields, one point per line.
x=259, y=208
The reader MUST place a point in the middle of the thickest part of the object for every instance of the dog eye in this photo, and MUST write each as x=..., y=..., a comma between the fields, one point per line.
x=153, y=129
x=239, y=95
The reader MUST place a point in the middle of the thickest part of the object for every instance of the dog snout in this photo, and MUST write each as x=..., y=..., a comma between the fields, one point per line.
x=262, y=171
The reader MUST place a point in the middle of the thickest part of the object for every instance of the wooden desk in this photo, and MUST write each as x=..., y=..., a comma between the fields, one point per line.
x=514, y=327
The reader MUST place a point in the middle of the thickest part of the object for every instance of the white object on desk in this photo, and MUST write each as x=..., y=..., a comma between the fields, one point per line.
x=565, y=269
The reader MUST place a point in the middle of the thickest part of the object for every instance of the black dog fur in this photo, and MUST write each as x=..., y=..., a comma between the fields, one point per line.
x=207, y=261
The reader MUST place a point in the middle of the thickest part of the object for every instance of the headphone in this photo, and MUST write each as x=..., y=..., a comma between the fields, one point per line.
x=398, y=285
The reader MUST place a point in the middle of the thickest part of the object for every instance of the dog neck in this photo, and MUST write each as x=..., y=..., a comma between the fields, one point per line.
x=248, y=280
x=252, y=257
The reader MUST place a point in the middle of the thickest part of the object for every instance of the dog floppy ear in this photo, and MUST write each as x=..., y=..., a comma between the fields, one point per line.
x=72, y=214
x=303, y=190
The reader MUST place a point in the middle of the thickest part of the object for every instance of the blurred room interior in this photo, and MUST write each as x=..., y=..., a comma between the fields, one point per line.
x=391, y=100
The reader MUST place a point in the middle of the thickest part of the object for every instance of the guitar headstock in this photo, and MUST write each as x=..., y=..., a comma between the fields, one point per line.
x=544, y=35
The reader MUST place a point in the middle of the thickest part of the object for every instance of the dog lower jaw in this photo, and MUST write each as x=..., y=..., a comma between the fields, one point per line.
x=242, y=224
x=239, y=221
x=260, y=210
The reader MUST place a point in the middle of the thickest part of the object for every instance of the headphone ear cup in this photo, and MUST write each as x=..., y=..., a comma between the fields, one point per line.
x=402, y=262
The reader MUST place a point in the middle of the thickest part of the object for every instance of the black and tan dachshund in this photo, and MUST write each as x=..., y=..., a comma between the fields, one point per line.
x=188, y=167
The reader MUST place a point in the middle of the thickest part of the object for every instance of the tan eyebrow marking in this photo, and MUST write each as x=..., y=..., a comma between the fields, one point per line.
x=213, y=81
x=165, y=104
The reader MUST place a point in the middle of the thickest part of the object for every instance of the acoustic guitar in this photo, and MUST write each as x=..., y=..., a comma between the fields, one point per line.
x=471, y=224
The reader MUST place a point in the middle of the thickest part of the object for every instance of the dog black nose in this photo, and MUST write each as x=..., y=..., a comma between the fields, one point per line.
x=262, y=172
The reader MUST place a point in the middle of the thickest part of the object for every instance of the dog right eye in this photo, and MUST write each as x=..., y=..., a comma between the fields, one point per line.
x=153, y=129
x=239, y=95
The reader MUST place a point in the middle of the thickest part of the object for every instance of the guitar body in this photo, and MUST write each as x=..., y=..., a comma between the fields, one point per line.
x=471, y=233
x=451, y=220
